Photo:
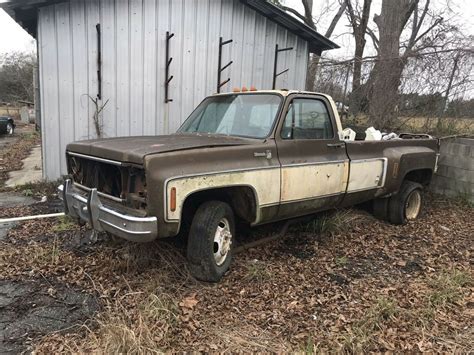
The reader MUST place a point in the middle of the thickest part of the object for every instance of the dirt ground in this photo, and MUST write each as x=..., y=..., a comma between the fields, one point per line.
x=342, y=282
x=13, y=149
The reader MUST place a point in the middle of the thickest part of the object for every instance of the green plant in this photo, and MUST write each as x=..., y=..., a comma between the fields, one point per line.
x=65, y=223
x=447, y=288
x=341, y=261
x=309, y=348
x=257, y=271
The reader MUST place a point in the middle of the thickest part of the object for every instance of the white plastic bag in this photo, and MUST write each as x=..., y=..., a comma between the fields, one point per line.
x=372, y=134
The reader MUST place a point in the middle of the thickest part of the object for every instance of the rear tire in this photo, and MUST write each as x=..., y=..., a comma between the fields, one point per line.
x=406, y=205
x=380, y=207
x=211, y=241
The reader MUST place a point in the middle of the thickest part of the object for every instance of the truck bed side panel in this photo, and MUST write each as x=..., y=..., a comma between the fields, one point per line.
x=400, y=157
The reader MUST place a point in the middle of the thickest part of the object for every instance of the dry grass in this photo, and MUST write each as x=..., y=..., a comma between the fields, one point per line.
x=139, y=330
x=448, y=126
x=10, y=111
x=448, y=288
x=287, y=301
x=329, y=223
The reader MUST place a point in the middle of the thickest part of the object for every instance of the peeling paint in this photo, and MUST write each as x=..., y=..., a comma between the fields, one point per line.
x=265, y=183
x=366, y=174
x=308, y=181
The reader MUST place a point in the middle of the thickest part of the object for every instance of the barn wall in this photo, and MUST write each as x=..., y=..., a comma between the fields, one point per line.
x=133, y=64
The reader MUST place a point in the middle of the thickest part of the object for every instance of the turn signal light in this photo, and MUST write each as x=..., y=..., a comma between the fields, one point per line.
x=173, y=199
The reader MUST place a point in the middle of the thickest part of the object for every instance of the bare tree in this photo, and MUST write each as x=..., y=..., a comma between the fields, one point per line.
x=309, y=20
x=427, y=31
x=16, y=76
x=359, y=21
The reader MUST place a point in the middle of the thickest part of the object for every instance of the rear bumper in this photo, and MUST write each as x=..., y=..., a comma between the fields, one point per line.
x=90, y=209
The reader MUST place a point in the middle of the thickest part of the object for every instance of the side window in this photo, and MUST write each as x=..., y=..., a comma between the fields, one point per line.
x=307, y=119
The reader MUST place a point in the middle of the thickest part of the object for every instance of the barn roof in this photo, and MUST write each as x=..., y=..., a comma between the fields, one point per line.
x=25, y=13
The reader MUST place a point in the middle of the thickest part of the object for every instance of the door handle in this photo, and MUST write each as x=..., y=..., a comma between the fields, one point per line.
x=267, y=154
x=336, y=145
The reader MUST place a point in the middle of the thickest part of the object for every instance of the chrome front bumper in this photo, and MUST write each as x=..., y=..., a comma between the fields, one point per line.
x=102, y=218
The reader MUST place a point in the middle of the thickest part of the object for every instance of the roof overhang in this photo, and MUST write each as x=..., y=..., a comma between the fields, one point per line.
x=25, y=12
x=317, y=42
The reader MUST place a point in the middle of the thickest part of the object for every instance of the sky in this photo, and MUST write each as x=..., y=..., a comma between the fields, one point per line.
x=14, y=38
x=461, y=11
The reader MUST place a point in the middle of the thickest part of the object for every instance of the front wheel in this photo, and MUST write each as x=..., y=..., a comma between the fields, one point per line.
x=10, y=129
x=211, y=240
x=406, y=205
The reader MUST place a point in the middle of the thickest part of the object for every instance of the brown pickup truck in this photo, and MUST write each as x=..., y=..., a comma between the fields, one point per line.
x=252, y=157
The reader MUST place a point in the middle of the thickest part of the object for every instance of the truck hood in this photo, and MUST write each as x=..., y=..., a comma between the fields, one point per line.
x=134, y=149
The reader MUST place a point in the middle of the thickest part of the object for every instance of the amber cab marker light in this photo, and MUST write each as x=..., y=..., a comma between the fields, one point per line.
x=253, y=88
x=173, y=199
x=236, y=90
x=244, y=89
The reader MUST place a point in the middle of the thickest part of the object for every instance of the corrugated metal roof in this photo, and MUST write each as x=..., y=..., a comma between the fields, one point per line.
x=25, y=13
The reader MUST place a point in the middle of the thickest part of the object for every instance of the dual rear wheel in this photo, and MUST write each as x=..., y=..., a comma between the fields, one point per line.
x=402, y=207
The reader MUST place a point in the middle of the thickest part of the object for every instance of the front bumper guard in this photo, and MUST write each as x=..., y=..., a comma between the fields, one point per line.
x=102, y=218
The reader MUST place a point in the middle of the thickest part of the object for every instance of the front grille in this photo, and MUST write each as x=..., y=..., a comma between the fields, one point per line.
x=126, y=183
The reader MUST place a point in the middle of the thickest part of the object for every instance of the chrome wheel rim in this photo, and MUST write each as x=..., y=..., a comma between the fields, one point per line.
x=413, y=205
x=222, y=241
x=9, y=129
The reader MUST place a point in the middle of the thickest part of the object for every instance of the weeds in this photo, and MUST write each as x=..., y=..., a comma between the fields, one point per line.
x=341, y=261
x=40, y=189
x=65, y=223
x=448, y=288
x=361, y=334
x=465, y=200
x=45, y=255
x=257, y=271
x=137, y=330
x=331, y=224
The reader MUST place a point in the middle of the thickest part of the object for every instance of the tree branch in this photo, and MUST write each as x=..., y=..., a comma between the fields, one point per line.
x=374, y=38
x=296, y=13
x=336, y=19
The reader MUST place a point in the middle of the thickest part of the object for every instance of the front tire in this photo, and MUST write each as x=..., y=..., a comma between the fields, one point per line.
x=10, y=129
x=406, y=205
x=211, y=240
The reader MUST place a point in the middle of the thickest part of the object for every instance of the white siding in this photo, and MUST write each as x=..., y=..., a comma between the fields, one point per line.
x=133, y=64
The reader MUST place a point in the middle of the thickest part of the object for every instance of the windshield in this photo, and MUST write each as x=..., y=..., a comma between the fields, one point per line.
x=235, y=115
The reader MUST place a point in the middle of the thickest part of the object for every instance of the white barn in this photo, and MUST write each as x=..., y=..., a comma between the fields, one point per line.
x=115, y=51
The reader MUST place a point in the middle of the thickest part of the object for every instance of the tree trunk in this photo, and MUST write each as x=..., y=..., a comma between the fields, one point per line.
x=315, y=57
x=359, y=24
x=312, y=71
x=389, y=66
x=357, y=94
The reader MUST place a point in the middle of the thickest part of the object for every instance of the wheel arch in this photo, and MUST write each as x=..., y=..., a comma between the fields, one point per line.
x=243, y=199
x=422, y=176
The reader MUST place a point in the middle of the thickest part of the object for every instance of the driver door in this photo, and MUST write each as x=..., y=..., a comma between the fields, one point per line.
x=314, y=163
